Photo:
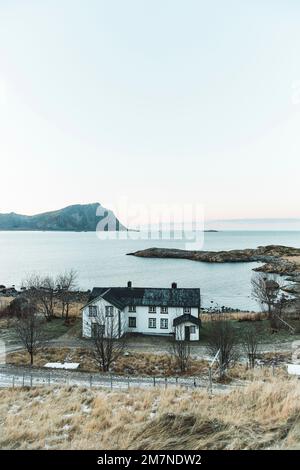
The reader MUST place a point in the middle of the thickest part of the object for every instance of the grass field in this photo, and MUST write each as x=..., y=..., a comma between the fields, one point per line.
x=145, y=364
x=149, y=364
x=263, y=415
x=263, y=325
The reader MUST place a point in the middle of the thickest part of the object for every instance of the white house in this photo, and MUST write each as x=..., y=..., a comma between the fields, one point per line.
x=146, y=310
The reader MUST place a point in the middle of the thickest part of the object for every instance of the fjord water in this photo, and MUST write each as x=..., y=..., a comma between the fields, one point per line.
x=104, y=262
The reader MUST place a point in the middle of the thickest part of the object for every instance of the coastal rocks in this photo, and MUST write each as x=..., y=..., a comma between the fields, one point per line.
x=278, y=266
x=277, y=258
x=292, y=289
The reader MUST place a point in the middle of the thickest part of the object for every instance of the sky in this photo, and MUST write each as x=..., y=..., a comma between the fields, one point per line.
x=156, y=101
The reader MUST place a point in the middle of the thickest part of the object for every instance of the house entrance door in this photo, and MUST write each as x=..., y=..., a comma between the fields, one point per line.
x=187, y=333
x=94, y=330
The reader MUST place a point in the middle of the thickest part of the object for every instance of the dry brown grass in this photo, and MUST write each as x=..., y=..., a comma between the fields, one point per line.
x=239, y=316
x=142, y=364
x=260, y=416
x=4, y=302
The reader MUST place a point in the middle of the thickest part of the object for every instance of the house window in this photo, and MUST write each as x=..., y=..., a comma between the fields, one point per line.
x=163, y=309
x=132, y=322
x=132, y=308
x=164, y=323
x=152, y=310
x=93, y=311
x=109, y=311
x=192, y=330
x=152, y=323
x=187, y=310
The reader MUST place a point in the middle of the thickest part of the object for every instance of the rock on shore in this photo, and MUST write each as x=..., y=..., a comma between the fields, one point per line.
x=277, y=258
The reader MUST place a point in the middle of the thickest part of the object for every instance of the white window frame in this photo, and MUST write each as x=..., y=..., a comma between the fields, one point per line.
x=192, y=329
x=132, y=308
x=93, y=311
x=131, y=318
x=164, y=310
x=152, y=323
x=109, y=311
x=165, y=322
x=187, y=310
x=152, y=309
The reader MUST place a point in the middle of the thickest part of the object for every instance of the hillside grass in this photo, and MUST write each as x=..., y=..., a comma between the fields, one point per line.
x=263, y=415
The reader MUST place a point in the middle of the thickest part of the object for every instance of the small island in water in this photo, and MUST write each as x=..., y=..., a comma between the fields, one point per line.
x=277, y=259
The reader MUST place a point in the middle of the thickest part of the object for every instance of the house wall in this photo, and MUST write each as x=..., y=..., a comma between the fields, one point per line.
x=87, y=321
x=142, y=316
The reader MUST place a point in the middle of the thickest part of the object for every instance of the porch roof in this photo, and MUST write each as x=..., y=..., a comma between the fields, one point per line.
x=186, y=318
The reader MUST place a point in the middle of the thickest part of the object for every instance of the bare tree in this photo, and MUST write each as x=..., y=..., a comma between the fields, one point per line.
x=265, y=291
x=223, y=341
x=251, y=341
x=278, y=321
x=66, y=284
x=47, y=292
x=109, y=341
x=181, y=350
x=29, y=328
x=40, y=291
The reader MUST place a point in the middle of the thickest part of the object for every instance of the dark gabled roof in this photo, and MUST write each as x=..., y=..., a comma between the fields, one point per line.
x=186, y=318
x=121, y=297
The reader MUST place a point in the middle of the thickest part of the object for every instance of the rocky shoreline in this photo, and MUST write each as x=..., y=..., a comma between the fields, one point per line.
x=277, y=259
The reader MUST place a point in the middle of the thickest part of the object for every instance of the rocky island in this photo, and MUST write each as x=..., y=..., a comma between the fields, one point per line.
x=277, y=259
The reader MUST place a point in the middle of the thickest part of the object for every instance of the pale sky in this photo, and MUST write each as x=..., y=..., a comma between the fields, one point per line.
x=160, y=101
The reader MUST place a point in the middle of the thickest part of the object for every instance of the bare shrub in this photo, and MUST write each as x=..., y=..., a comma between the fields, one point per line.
x=29, y=328
x=250, y=341
x=108, y=342
x=180, y=350
x=223, y=341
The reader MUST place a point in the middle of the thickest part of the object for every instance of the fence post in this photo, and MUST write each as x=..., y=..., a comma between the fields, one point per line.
x=49, y=378
x=128, y=381
x=176, y=380
x=153, y=381
x=210, y=381
x=23, y=381
x=166, y=382
x=91, y=379
x=31, y=379
x=13, y=381
x=195, y=385
x=111, y=381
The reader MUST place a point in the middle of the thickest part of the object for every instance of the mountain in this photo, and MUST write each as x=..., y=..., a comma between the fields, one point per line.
x=75, y=218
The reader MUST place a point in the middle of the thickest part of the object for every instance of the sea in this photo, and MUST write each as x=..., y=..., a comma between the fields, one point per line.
x=104, y=262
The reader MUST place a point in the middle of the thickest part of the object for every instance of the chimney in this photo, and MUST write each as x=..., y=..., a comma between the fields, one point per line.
x=174, y=285
x=129, y=284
